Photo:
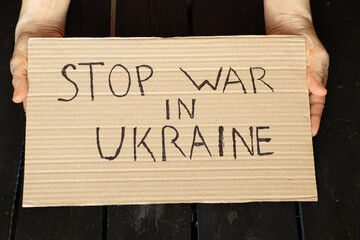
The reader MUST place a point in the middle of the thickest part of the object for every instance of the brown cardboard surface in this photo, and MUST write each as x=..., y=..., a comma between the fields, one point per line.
x=247, y=140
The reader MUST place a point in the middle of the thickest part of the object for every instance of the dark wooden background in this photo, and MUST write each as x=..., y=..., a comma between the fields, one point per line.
x=336, y=148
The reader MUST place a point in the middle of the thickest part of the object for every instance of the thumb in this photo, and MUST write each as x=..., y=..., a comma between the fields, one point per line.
x=315, y=80
x=18, y=67
x=317, y=71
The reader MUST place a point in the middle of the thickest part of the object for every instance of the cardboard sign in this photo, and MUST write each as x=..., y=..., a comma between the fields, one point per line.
x=167, y=120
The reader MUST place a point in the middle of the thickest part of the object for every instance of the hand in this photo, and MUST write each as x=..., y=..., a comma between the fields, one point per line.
x=18, y=63
x=38, y=18
x=317, y=60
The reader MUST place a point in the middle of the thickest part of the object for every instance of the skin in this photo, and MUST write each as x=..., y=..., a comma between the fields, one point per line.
x=46, y=18
x=293, y=17
x=38, y=18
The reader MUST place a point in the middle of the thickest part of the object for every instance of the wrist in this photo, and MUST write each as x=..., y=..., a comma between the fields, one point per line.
x=292, y=24
x=37, y=16
x=288, y=17
x=39, y=26
x=34, y=28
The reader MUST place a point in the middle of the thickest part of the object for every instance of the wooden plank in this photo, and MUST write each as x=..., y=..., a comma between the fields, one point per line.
x=228, y=17
x=143, y=18
x=59, y=223
x=11, y=120
x=162, y=221
x=85, y=18
x=252, y=220
x=88, y=18
x=247, y=221
x=336, y=215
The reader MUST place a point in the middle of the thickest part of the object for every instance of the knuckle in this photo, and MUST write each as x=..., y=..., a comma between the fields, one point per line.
x=317, y=101
x=18, y=63
x=15, y=80
x=326, y=57
x=19, y=75
x=317, y=75
x=325, y=54
x=13, y=64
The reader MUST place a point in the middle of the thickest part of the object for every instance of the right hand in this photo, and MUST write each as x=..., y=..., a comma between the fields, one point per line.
x=38, y=18
x=18, y=62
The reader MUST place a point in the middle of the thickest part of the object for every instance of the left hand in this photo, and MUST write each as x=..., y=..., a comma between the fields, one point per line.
x=317, y=60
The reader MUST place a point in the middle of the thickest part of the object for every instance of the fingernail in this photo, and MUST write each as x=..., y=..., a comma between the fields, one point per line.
x=322, y=91
x=313, y=132
x=14, y=94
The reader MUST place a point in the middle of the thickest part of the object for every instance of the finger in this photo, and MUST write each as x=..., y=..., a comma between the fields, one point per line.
x=20, y=90
x=316, y=109
x=25, y=104
x=317, y=71
x=18, y=67
x=315, y=85
x=20, y=84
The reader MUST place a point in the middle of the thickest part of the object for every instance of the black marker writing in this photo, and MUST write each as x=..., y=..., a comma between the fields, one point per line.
x=227, y=82
x=191, y=114
x=262, y=140
x=129, y=81
x=140, y=81
x=221, y=141
x=234, y=133
x=260, y=78
x=199, y=87
x=167, y=109
x=63, y=72
x=173, y=141
x=117, y=150
x=198, y=144
x=142, y=142
x=90, y=64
